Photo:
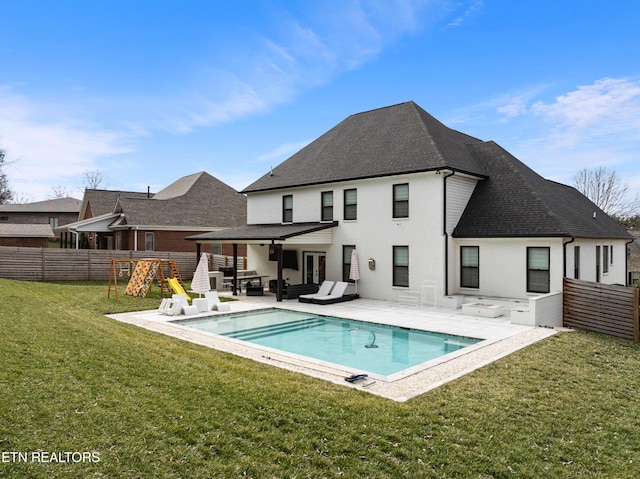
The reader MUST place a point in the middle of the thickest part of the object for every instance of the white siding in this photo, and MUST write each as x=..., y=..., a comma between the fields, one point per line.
x=459, y=190
x=374, y=232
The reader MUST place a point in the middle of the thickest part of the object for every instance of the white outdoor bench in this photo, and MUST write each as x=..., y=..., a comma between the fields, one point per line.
x=486, y=310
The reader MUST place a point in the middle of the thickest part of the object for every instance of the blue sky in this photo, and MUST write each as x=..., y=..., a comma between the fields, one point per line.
x=148, y=91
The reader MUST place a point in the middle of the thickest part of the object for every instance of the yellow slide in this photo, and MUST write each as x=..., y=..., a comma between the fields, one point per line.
x=177, y=288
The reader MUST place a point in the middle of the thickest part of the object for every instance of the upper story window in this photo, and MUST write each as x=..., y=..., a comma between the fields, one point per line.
x=401, y=266
x=469, y=266
x=401, y=200
x=54, y=221
x=327, y=206
x=287, y=209
x=351, y=204
x=538, y=266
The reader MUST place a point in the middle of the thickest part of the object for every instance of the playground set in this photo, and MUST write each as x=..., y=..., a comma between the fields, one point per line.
x=142, y=275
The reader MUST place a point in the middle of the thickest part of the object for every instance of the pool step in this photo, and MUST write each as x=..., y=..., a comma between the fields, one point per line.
x=273, y=329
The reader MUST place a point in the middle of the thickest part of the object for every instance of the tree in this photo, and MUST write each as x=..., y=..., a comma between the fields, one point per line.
x=5, y=192
x=59, y=192
x=603, y=187
x=95, y=179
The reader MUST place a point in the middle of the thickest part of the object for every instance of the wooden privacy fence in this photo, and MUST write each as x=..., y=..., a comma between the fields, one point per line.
x=602, y=308
x=50, y=264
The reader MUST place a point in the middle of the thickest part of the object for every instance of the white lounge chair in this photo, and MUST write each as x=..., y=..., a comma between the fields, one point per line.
x=324, y=290
x=336, y=296
x=175, y=305
x=215, y=303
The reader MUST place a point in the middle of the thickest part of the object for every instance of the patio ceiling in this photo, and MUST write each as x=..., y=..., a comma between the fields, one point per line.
x=294, y=233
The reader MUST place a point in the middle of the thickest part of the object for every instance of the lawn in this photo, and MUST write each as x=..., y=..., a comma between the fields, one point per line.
x=125, y=402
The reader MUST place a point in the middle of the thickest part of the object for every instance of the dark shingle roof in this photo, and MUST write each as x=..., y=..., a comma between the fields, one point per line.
x=394, y=140
x=198, y=200
x=514, y=201
x=100, y=202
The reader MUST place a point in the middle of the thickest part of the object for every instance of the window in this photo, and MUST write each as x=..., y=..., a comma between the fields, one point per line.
x=351, y=204
x=538, y=278
x=149, y=241
x=469, y=266
x=401, y=266
x=287, y=209
x=605, y=259
x=54, y=221
x=216, y=249
x=327, y=206
x=346, y=262
x=4, y=218
x=401, y=200
x=118, y=240
x=576, y=262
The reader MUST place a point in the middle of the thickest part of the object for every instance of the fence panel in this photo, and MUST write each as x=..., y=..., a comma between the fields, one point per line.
x=601, y=308
x=51, y=264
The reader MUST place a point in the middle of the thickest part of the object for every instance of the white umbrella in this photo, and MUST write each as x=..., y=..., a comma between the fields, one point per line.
x=200, y=282
x=354, y=271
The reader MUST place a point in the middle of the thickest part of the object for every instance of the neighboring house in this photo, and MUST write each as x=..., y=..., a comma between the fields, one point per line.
x=26, y=235
x=425, y=206
x=57, y=212
x=158, y=222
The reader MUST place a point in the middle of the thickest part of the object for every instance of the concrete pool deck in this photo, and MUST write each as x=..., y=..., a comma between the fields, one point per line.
x=500, y=339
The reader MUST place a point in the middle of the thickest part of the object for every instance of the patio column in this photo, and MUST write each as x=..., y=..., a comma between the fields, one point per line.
x=278, y=248
x=235, y=269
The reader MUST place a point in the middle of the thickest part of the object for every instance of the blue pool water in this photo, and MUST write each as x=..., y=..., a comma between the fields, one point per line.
x=359, y=345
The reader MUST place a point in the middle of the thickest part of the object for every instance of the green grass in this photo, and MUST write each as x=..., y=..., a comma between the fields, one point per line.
x=154, y=406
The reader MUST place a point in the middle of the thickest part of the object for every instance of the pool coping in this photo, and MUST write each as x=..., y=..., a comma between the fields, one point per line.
x=501, y=339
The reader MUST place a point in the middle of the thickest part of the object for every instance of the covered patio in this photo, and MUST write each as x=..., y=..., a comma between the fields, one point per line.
x=273, y=235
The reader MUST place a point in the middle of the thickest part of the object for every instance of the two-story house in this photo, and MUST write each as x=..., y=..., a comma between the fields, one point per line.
x=422, y=204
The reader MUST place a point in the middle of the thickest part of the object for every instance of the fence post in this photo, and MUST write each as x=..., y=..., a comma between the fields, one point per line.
x=636, y=315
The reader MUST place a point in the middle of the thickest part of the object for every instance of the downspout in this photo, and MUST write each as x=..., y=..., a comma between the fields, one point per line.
x=626, y=262
x=444, y=232
x=564, y=256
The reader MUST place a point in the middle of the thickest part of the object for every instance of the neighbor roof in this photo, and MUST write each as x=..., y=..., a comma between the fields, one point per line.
x=101, y=202
x=514, y=201
x=57, y=205
x=195, y=201
x=394, y=140
x=26, y=231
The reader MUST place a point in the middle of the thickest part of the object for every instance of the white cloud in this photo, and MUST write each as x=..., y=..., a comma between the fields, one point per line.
x=282, y=152
x=469, y=12
x=44, y=152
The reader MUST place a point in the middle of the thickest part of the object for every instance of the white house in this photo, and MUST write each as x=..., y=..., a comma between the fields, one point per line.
x=425, y=206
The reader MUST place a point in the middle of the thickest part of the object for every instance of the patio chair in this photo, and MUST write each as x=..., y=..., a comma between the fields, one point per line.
x=214, y=302
x=325, y=289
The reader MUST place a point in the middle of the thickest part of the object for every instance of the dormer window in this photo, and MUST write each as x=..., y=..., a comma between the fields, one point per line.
x=287, y=209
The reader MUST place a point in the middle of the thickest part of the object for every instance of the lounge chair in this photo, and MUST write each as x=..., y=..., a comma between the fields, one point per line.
x=174, y=305
x=336, y=296
x=215, y=303
x=325, y=289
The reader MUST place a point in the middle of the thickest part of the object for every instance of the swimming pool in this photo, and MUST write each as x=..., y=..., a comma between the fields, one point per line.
x=358, y=345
